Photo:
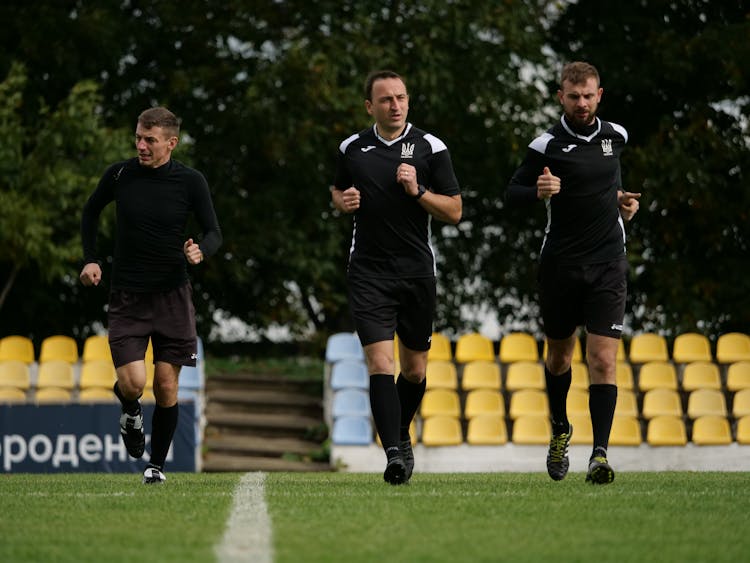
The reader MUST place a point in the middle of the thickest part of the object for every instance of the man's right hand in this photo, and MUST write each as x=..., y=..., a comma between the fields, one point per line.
x=91, y=274
x=547, y=185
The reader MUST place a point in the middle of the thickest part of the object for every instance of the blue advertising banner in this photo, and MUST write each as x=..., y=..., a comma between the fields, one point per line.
x=85, y=438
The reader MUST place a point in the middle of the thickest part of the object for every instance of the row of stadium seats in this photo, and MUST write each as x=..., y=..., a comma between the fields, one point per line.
x=662, y=430
x=483, y=374
x=475, y=395
x=520, y=346
x=61, y=375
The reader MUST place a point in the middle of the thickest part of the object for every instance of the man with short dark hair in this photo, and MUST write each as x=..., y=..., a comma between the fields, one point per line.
x=574, y=168
x=394, y=178
x=150, y=293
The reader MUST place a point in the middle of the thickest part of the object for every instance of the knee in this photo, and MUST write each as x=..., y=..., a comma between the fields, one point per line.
x=414, y=376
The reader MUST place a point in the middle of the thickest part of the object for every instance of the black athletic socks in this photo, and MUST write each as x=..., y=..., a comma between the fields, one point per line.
x=410, y=396
x=602, y=402
x=132, y=407
x=557, y=393
x=163, y=426
x=386, y=409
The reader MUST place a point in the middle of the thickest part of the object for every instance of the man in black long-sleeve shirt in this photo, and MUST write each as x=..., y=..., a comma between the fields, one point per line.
x=150, y=295
x=575, y=169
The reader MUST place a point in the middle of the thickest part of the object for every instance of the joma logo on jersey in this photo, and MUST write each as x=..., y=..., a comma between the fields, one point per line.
x=607, y=147
x=407, y=150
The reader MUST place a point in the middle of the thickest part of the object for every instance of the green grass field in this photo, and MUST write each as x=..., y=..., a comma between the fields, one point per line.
x=676, y=516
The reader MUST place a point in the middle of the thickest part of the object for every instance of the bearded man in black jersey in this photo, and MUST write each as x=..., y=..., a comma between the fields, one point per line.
x=150, y=293
x=394, y=178
x=574, y=168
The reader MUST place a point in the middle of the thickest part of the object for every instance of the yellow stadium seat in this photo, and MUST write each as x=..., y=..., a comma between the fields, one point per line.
x=578, y=402
x=741, y=403
x=16, y=347
x=626, y=431
x=483, y=401
x=396, y=348
x=96, y=347
x=149, y=357
x=53, y=395
x=518, y=347
x=150, y=370
x=440, y=349
x=627, y=403
x=624, y=375
x=648, y=347
x=15, y=373
x=97, y=395
x=487, y=430
x=691, y=347
x=474, y=346
x=12, y=395
x=528, y=402
x=733, y=347
x=97, y=373
x=666, y=431
x=442, y=431
x=577, y=352
x=579, y=376
x=702, y=402
x=621, y=355
x=738, y=376
x=661, y=402
x=59, y=347
x=441, y=374
x=701, y=375
x=743, y=430
x=532, y=429
x=711, y=431
x=583, y=433
x=657, y=375
x=55, y=373
x=481, y=374
x=525, y=375
x=440, y=402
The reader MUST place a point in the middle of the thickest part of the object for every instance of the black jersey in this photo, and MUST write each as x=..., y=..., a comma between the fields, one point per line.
x=583, y=220
x=152, y=210
x=391, y=238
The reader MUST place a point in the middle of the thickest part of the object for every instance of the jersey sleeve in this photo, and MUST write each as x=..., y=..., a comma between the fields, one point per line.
x=443, y=179
x=203, y=208
x=343, y=178
x=92, y=209
x=521, y=189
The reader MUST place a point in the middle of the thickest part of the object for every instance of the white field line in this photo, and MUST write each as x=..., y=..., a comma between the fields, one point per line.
x=248, y=533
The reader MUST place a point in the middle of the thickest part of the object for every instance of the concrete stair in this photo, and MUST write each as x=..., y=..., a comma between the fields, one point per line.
x=264, y=423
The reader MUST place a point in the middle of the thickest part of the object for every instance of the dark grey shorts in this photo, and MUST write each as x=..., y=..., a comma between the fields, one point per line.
x=167, y=317
x=592, y=296
x=382, y=308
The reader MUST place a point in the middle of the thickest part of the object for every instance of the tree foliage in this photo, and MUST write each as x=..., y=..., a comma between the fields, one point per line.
x=267, y=90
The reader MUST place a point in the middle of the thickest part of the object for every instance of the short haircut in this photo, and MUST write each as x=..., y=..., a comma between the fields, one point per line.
x=378, y=75
x=578, y=72
x=160, y=117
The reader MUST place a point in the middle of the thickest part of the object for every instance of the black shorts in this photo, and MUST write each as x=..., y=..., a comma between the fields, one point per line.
x=383, y=307
x=167, y=317
x=592, y=296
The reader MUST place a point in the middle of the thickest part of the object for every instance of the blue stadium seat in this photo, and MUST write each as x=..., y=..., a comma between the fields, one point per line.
x=349, y=374
x=343, y=346
x=191, y=378
x=351, y=402
x=352, y=431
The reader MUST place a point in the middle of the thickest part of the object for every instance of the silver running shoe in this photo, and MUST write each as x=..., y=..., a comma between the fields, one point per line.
x=131, y=430
x=152, y=476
